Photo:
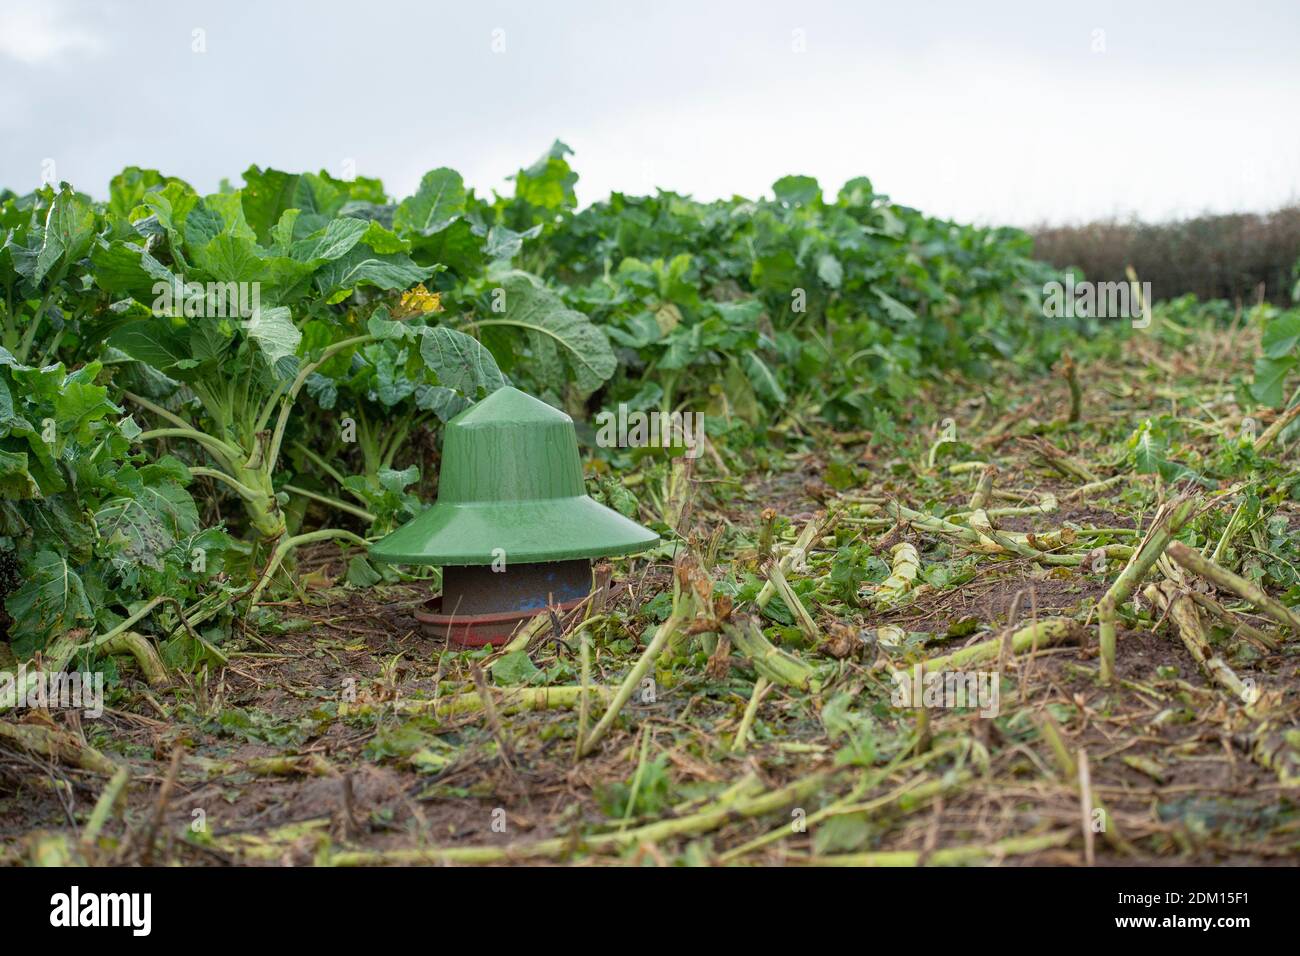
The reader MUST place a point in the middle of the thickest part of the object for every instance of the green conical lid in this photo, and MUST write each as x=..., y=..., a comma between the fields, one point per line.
x=511, y=482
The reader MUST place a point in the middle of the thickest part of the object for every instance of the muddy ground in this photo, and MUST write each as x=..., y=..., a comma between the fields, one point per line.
x=320, y=740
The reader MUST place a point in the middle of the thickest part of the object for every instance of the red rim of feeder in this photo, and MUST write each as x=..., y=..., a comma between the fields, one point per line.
x=476, y=630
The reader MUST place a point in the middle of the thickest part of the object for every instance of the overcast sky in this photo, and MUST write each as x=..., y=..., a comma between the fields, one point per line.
x=985, y=111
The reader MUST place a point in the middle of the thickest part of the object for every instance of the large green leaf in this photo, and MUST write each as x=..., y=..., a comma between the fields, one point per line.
x=1282, y=335
x=69, y=228
x=557, y=335
x=438, y=202
x=1270, y=379
x=333, y=242
x=15, y=480
x=361, y=266
x=274, y=332
x=460, y=362
x=154, y=341
x=549, y=182
x=52, y=597
x=141, y=528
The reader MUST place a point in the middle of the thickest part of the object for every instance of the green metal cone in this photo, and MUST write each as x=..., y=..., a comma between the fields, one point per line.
x=511, y=481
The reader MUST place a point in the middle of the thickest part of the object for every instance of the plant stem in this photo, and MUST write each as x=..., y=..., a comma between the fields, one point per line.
x=240, y=488
x=704, y=821
x=288, y=544
x=227, y=453
x=751, y=710
x=770, y=661
x=321, y=463
x=361, y=513
x=158, y=410
x=948, y=856
x=681, y=611
x=286, y=402
x=1167, y=523
x=1193, y=561
x=1051, y=630
x=104, y=807
x=138, y=646
x=511, y=700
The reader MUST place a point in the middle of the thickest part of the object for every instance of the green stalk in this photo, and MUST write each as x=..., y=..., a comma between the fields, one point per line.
x=332, y=502
x=104, y=807
x=240, y=488
x=681, y=611
x=158, y=410
x=288, y=544
x=322, y=464
x=25, y=346
x=704, y=821
x=751, y=711
x=1167, y=524
x=286, y=402
x=773, y=663
x=1051, y=630
x=1193, y=561
x=948, y=856
x=227, y=453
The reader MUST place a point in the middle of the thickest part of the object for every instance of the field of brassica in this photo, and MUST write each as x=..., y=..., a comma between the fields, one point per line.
x=210, y=407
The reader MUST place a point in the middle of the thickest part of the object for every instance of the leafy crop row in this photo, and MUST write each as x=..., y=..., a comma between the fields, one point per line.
x=237, y=356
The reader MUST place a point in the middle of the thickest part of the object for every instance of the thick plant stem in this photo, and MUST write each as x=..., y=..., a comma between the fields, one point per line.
x=1048, y=631
x=1229, y=619
x=361, y=513
x=1167, y=524
x=948, y=856
x=1271, y=433
x=815, y=528
x=57, y=744
x=238, y=486
x=990, y=541
x=225, y=452
x=1094, y=487
x=906, y=567
x=796, y=606
x=158, y=410
x=777, y=665
x=291, y=394
x=1193, y=561
x=249, y=475
x=983, y=488
x=1187, y=620
x=751, y=710
x=138, y=646
x=288, y=544
x=1071, y=372
x=681, y=612
x=104, y=807
x=704, y=821
x=584, y=694
x=509, y=700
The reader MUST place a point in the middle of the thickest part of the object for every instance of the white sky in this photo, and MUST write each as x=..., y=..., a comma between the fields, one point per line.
x=982, y=111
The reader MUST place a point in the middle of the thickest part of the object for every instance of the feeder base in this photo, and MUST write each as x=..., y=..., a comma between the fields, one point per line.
x=475, y=630
x=480, y=606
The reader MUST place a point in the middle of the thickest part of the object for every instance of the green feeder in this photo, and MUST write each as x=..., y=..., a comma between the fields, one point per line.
x=513, y=528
